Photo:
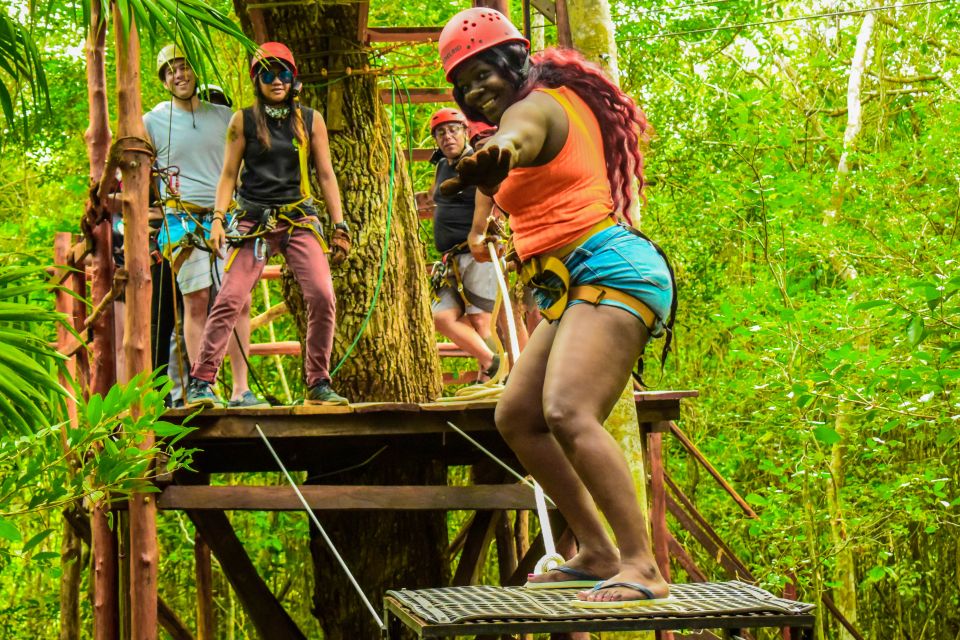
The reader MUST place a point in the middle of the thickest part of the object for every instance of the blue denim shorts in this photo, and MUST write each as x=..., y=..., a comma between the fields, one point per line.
x=616, y=258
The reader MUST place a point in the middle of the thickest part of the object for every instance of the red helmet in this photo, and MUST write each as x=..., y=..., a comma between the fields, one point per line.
x=272, y=51
x=445, y=115
x=475, y=129
x=472, y=31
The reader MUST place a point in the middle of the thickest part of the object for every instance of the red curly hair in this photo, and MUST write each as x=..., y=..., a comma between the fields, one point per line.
x=622, y=122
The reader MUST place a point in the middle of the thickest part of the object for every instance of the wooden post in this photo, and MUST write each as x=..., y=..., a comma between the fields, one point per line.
x=564, y=36
x=135, y=167
x=204, y=572
x=71, y=547
x=658, y=504
x=103, y=370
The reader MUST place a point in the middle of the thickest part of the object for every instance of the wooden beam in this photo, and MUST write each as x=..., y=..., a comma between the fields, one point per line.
x=547, y=8
x=475, y=548
x=450, y=350
x=418, y=155
x=347, y=498
x=268, y=316
x=403, y=34
x=171, y=622
x=284, y=348
x=658, y=507
x=363, y=10
x=419, y=95
x=267, y=614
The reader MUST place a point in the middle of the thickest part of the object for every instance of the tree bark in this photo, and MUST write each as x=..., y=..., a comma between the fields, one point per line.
x=135, y=167
x=395, y=358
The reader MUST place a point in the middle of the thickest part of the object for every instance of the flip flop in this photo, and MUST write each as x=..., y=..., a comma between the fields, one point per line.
x=581, y=580
x=648, y=599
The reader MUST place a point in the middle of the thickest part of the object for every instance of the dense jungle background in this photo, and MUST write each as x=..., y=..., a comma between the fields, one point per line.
x=804, y=178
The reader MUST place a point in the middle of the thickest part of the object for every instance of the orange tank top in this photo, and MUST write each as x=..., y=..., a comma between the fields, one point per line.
x=554, y=204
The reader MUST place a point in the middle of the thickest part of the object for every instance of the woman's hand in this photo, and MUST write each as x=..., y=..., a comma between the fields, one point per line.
x=217, y=236
x=485, y=169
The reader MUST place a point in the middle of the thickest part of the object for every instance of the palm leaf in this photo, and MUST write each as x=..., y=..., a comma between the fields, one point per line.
x=22, y=66
x=30, y=392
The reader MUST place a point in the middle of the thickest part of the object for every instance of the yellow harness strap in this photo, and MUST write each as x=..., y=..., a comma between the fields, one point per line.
x=595, y=293
x=533, y=271
x=297, y=224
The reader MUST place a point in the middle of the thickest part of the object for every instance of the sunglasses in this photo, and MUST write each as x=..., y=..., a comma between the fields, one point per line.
x=267, y=76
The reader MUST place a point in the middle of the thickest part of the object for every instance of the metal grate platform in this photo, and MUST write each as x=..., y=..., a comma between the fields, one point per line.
x=453, y=611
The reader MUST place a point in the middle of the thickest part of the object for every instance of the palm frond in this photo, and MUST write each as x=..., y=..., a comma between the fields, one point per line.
x=29, y=388
x=22, y=66
x=189, y=23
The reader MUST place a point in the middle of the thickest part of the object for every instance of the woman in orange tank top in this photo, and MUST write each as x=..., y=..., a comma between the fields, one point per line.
x=561, y=165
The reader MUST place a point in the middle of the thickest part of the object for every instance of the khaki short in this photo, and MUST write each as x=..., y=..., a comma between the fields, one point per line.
x=197, y=271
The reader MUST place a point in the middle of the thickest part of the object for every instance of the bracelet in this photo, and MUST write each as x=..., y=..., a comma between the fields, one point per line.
x=343, y=226
x=220, y=215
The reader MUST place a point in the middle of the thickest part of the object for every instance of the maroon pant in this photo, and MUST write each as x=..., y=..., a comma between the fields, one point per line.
x=305, y=257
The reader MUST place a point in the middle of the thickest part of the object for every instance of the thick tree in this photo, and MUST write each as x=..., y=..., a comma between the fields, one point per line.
x=395, y=358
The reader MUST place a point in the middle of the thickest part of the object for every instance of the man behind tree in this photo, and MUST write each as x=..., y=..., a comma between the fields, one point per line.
x=465, y=296
x=190, y=135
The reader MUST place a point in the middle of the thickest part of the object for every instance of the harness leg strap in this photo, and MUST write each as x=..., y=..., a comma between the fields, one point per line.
x=594, y=294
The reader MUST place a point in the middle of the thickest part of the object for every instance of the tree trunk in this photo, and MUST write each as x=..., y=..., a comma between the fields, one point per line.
x=103, y=370
x=135, y=168
x=845, y=574
x=395, y=358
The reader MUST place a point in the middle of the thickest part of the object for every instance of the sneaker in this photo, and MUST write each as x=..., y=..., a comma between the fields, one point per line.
x=248, y=401
x=200, y=394
x=323, y=394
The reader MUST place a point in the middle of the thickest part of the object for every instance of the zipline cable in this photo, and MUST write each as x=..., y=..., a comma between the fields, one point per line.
x=323, y=532
x=831, y=14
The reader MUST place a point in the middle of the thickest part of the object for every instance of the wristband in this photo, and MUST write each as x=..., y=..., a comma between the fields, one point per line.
x=343, y=226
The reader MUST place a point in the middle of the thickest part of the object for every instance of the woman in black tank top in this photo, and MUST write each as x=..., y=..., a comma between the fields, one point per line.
x=277, y=141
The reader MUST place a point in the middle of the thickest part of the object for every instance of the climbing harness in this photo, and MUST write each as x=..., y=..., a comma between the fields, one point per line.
x=550, y=559
x=548, y=273
x=323, y=532
x=266, y=219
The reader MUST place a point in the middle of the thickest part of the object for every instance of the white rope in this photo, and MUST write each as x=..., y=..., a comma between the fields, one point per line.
x=323, y=532
x=507, y=308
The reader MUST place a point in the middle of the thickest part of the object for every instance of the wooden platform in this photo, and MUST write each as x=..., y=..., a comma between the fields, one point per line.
x=486, y=610
x=311, y=436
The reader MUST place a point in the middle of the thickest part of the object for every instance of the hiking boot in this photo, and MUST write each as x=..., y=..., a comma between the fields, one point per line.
x=200, y=394
x=323, y=394
x=248, y=401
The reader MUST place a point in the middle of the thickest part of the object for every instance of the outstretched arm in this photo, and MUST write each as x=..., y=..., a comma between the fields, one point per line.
x=518, y=143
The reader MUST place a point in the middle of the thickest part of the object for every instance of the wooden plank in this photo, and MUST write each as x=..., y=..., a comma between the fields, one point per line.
x=403, y=34
x=450, y=350
x=564, y=37
x=267, y=614
x=461, y=377
x=651, y=396
x=271, y=272
x=203, y=571
x=420, y=95
x=347, y=498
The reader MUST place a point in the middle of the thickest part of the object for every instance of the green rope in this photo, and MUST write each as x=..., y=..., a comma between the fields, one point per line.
x=386, y=240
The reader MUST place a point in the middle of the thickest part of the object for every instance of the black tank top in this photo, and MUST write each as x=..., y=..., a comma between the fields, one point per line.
x=453, y=216
x=272, y=176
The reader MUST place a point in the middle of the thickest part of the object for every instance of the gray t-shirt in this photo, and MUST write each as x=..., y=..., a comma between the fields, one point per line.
x=193, y=141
